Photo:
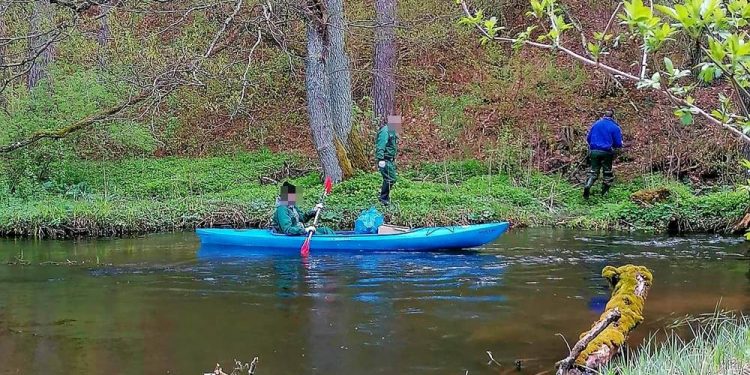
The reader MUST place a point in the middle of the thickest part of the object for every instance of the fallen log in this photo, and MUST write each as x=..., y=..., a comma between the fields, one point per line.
x=624, y=311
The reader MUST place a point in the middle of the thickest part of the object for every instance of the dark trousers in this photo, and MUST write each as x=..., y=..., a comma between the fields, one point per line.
x=385, y=191
x=601, y=161
x=389, y=178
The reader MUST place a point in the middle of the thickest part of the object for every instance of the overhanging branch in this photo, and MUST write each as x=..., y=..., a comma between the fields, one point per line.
x=78, y=125
x=616, y=72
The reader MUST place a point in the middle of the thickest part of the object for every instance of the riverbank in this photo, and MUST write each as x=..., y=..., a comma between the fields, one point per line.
x=721, y=346
x=85, y=198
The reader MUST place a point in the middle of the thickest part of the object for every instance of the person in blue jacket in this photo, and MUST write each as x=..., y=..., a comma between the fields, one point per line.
x=604, y=138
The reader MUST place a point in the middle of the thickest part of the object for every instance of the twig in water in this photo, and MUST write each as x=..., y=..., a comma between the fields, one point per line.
x=566, y=341
x=253, y=364
x=239, y=368
x=492, y=360
x=19, y=260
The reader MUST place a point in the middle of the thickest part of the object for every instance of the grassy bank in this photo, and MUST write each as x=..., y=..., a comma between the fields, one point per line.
x=721, y=347
x=147, y=195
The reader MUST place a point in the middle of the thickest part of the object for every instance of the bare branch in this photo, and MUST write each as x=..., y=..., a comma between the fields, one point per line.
x=56, y=37
x=76, y=7
x=609, y=24
x=160, y=87
x=244, y=75
x=223, y=28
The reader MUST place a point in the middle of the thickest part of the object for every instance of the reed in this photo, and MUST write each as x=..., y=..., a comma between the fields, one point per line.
x=720, y=345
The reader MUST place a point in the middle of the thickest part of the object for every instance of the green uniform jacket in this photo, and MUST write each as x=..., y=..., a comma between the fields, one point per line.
x=386, y=148
x=289, y=220
x=386, y=145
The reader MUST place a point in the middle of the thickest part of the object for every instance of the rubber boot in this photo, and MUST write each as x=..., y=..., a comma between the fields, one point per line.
x=605, y=189
x=587, y=187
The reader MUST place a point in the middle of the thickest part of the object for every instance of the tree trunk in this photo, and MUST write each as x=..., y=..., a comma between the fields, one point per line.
x=339, y=75
x=351, y=145
x=103, y=34
x=384, y=83
x=41, y=15
x=318, y=100
x=3, y=34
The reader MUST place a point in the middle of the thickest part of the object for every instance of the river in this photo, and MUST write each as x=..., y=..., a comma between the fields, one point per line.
x=157, y=305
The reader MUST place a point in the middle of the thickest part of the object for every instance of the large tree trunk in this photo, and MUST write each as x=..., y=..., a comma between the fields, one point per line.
x=318, y=100
x=41, y=15
x=350, y=145
x=339, y=75
x=384, y=83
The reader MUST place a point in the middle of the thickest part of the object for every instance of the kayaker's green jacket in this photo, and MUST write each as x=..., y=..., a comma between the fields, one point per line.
x=289, y=220
x=386, y=144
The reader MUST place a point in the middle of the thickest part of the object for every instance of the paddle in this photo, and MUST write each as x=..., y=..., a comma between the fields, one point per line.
x=305, y=250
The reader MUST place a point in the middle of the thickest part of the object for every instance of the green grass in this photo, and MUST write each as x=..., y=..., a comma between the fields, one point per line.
x=145, y=195
x=720, y=346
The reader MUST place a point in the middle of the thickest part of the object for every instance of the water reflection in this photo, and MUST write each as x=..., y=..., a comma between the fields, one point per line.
x=157, y=305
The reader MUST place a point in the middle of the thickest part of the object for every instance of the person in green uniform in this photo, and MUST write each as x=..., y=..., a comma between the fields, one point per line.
x=288, y=219
x=386, y=148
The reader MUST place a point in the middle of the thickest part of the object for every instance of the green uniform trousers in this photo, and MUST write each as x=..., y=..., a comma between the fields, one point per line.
x=389, y=178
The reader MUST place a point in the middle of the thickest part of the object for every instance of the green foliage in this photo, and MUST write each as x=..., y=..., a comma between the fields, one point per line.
x=74, y=96
x=138, y=195
x=132, y=136
x=451, y=116
x=640, y=18
x=452, y=171
x=477, y=19
x=171, y=177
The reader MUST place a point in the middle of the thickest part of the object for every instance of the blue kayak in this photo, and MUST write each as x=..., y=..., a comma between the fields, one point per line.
x=421, y=239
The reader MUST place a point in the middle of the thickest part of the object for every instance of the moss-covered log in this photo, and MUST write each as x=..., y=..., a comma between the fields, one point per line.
x=624, y=311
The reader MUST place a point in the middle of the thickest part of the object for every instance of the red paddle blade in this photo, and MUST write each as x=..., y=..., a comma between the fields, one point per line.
x=328, y=185
x=305, y=250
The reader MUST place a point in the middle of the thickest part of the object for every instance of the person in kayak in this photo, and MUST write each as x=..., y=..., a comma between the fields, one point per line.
x=386, y=148
x=605, y=137
x=288, y=219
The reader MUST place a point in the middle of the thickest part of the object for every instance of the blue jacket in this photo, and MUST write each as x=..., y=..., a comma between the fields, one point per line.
x=605, y=135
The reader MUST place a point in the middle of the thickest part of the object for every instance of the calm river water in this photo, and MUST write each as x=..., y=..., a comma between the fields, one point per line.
x=157, y=305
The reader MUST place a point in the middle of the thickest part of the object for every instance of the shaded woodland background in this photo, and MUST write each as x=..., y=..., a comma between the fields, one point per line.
x=460, y=100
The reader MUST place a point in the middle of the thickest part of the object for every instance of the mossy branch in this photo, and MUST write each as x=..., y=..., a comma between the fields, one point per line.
x=165, y=82
x=623, y=313
x=566, y=364
x=78, y=125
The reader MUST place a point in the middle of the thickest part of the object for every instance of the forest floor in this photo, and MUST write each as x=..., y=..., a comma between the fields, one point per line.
x=99, y=198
